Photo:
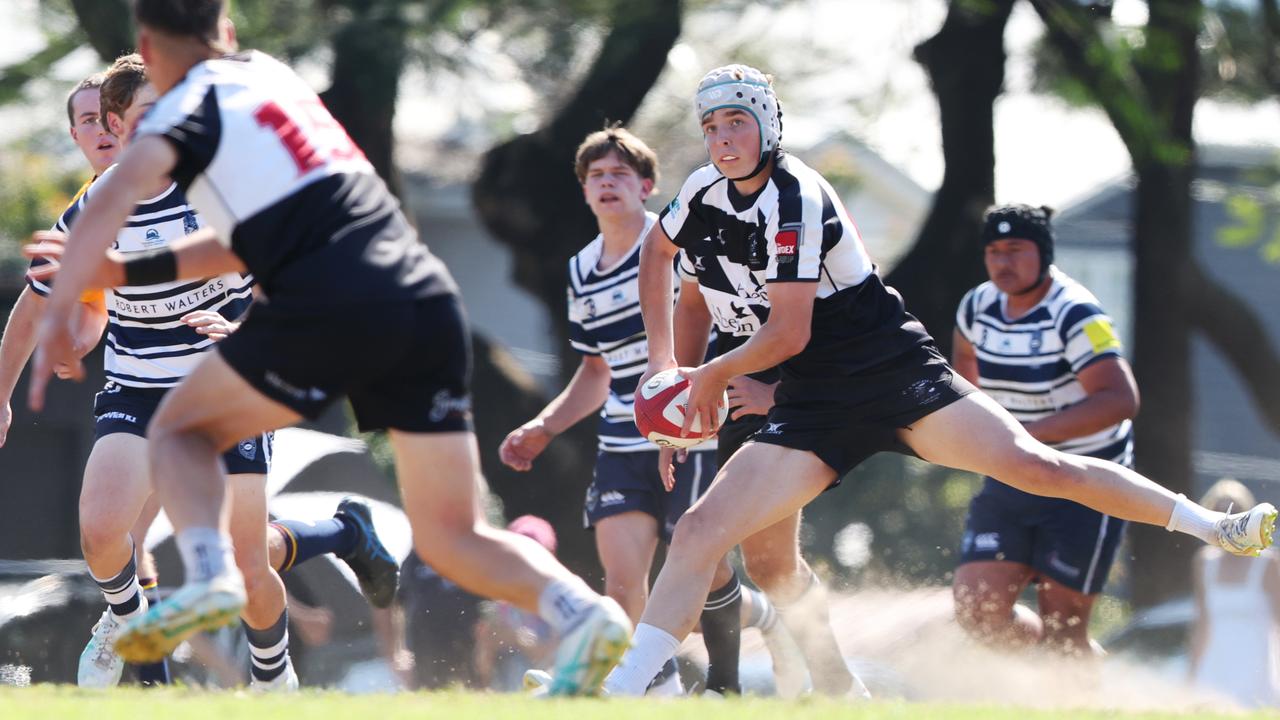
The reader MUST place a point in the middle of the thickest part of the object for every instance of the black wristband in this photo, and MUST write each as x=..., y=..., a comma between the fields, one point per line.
x=151, y=267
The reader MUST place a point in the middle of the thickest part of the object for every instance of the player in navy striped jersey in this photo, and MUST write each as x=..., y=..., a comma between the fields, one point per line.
x=859, y=374
x=1038, y=343
x=626, y=503
x=353, y=306
x=99, y=149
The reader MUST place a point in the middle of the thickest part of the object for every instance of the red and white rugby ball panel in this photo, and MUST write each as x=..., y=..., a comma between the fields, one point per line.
x=659, y=407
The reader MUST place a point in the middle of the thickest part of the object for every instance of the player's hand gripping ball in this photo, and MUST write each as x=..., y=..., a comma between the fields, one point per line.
x=660, y=405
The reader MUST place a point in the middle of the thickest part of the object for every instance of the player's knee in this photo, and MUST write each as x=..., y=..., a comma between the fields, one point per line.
x=698, y=538
x=977, y=612
x=774, y=571
x=1046, y=472
x=97, y=533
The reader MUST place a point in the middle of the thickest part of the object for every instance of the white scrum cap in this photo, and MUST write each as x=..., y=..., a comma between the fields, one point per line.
x=746, y=88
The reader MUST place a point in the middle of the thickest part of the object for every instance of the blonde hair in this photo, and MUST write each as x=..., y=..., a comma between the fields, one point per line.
x=1228, y=492
x=615, y=138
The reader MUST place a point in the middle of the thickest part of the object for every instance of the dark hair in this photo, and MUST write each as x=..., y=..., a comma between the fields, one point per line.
x=92, y=82
x=1021, y=221
x=120, y=85
x=182, y=18
x=615, y=138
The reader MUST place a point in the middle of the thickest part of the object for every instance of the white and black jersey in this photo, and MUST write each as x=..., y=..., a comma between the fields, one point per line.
x=795, y=229
x=148, y=345
x=1030, y=364
x=605, y=320
x=737, y=300
x=311, y=220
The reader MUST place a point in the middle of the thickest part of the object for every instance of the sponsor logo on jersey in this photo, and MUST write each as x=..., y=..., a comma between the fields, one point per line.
x=293, y=391
x=611, y=498
x=189, y=224
x=117, y=415
x=772, y=429
x=787, y=240
x=674, y=207
x=248, y=449
x=922, y=391
x=152, y=238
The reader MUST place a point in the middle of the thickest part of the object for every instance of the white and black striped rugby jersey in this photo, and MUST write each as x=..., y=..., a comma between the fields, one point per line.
x=796, y=229
x=1029, y=364
x=737, y=300
x=605, y=320
x=147, y=343
x=284, y=186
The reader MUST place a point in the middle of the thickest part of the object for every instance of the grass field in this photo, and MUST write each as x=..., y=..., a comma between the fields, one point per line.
x=68, y=703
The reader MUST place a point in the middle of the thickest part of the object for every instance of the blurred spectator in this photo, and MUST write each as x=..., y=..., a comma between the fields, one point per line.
x=508, y=640
x=1234, y=642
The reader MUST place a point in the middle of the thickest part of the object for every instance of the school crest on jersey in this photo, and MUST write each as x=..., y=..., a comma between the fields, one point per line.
x=248, y=449
x=152, y=238
x=189, y=223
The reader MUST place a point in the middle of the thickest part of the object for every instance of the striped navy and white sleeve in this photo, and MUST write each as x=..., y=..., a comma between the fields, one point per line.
x=1088, y=335
x=965, y=314
x=63, y=225
x=579, y=338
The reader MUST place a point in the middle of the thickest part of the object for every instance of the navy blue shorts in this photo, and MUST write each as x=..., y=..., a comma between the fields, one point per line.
x=1062, y=541
x=128, y=410
x=629, y=481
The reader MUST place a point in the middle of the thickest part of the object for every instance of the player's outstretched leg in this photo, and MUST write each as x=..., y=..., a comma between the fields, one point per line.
x=264, y=617
x=441, y=485
x=721, y=621
x=156, y=673
x=790, y=669
x=1009, y=454
x=772, y=558
x=778, y=482
x=114, y=492
x=349, y=535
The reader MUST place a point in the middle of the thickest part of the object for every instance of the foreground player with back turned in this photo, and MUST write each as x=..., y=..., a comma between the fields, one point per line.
x=354, y=305
x=858, y=374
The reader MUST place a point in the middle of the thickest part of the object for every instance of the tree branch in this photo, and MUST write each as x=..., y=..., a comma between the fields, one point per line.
x=15, y=77
x=109, y=25
x=1115, y=84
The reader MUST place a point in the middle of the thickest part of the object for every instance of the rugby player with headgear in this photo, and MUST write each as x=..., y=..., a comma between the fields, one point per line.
x=1040, y=345
x=859, y=375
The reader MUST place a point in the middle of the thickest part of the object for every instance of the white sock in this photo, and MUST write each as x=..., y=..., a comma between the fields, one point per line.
x=563, y=602
x=205, y=553
x=651, y=648
x=1190, y=518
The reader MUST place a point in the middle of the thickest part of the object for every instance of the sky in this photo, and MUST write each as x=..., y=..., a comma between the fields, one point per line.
x=837, y=52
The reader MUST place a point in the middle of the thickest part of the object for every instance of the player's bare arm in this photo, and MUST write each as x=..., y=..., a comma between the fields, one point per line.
x=964, y=359
x=585, y=393
x=1111, y=397
x=783, y=336
x=656, y=257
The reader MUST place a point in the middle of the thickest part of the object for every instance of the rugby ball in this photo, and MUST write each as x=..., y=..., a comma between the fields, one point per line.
x=659, y=409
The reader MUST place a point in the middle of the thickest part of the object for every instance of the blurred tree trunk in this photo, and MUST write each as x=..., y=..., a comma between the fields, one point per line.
x=530, y=199
x=527, y=193
x=108, y=24
x=965, y=63
x=1151, y=102
x=368, y=58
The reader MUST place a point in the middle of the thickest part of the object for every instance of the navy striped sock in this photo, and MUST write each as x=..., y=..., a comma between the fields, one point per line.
x=305, y=540
x=122, y=592
x=269, y=648
x=722, y=634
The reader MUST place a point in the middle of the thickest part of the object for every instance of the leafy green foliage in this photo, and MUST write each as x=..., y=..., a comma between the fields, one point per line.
x=33, y=192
